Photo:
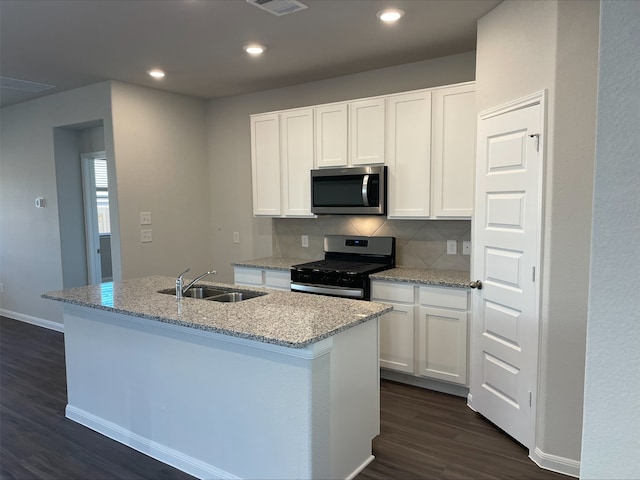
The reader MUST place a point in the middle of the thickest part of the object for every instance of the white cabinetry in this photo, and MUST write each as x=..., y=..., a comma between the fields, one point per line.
x=281, y=159
x=296, y=133
x=366, y=132
x=425, y=137
x=262, y=277
x=331, y=135
x=454, y=141
x=265, y=164
x=442, y=334
x=430, y=153
x=409, y=155
x=426, y=333
x=350, y=134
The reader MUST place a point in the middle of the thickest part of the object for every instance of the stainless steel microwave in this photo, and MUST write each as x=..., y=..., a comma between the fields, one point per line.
x=349, y=191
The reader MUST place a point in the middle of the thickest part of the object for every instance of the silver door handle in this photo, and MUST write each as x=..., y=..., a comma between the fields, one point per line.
x=365, y=190
x=476, y=284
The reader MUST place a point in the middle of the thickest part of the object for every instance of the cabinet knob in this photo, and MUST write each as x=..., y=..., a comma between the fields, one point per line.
x=476, y=284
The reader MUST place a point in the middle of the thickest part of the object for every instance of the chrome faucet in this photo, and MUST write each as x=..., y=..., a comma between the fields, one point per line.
x=181, y=289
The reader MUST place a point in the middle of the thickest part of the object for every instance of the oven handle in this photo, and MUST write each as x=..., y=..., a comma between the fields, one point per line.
x=337, y=291
x=365, y=190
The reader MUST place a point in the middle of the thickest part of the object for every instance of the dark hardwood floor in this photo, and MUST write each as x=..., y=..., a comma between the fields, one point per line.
x=424, y=434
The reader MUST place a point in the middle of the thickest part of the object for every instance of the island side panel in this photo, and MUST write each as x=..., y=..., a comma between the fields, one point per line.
x=211, y=408
x=355, y=398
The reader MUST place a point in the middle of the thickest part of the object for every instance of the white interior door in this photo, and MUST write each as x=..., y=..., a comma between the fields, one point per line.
x=91, y=215
x=506, y=256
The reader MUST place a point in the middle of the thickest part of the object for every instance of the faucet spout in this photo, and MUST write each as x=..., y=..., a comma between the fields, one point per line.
x=181, y=290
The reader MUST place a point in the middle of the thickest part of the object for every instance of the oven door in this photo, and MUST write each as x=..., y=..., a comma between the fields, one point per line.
x=351, y=191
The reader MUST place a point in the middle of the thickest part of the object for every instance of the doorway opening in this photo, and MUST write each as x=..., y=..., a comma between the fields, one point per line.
x=97, y=217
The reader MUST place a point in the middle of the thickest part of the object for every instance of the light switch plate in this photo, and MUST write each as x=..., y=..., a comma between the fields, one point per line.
x=452, y=247
x=145, y=218
x=236, y=237
x=145, y=236
x=304, y=239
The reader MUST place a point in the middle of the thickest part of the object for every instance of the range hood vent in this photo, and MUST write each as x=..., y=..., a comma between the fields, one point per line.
x=278, y=7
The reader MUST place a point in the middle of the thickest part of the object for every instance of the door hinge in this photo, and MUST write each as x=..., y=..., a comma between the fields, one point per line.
x=537, y=137
x=533, y=274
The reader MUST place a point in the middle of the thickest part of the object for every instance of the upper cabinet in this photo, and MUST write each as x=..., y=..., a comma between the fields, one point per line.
x=265, y=164
x=281, y=159
x=350, y=134
x=425, y=137
x=366, y=132
x=409, y=155
x=331, y=135
x=453, y=142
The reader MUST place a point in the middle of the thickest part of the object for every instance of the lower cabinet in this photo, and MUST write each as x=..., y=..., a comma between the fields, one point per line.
x=262, y=277
x=426, y=333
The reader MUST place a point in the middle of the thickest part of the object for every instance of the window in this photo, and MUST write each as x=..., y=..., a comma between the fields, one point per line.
x=102, y=195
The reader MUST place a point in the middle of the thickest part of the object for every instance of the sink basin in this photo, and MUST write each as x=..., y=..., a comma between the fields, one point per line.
x=215, y=294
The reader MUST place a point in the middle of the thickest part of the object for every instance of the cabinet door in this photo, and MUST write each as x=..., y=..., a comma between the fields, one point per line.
x=409, y=155
x=248, y=276
x=265, y=164
x=331, y=135
x=366, y=132
x=296, y=134
x=442, y=344
x=397, y=338
x=454, y=140
x=277, y=279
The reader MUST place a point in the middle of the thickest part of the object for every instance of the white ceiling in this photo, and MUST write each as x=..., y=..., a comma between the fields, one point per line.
x=70, y=43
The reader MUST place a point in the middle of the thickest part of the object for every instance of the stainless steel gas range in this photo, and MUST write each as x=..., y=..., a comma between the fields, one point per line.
x=348, y=262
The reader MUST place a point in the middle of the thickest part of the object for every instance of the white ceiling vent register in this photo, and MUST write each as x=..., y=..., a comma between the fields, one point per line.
x=24, y=85
x=278, y=7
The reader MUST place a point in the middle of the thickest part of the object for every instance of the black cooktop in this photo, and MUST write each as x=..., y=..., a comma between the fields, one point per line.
x=338, y=266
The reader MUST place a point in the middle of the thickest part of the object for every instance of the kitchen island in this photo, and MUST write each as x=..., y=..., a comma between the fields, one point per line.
x=284, y=385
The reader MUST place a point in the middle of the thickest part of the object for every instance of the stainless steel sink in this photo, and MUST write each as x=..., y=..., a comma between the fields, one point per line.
x=215, y=294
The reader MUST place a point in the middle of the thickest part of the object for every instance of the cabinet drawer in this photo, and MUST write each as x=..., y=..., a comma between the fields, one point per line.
x=445, y=297
x=392, y=292
x=247, y=276
x=277, y=279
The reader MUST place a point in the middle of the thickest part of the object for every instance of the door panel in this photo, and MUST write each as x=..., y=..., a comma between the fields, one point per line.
x=506, y=252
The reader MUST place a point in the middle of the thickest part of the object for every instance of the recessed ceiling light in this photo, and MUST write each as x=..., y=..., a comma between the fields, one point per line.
x=390, y=15
x=254, y=49
x=156, y=73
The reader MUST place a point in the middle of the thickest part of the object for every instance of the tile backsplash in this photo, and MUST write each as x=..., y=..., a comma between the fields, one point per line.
x=419, y=243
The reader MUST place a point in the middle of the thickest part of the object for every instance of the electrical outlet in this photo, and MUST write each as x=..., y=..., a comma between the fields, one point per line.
x=452, y=247
x=236, y=237
x=305, y=240
x=145, y=236
x=145, y=218
x=466, y=247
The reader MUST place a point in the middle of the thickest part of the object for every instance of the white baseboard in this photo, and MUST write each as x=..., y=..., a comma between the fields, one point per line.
x=555, y=463
x=40, y=322
x=160, y=452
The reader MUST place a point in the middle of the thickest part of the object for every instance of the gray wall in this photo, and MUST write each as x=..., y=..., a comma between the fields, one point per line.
x=230, y=154
x=30, y=240
x=161, y=167
x=524, y=47
x=611, y=440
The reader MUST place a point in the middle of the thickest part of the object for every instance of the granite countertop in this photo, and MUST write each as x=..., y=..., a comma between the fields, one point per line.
x=424, y=276
x=272, y=263
x=283, y=318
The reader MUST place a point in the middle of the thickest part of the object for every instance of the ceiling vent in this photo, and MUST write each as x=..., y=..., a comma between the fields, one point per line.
x=278, y=7
x=23, y=85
